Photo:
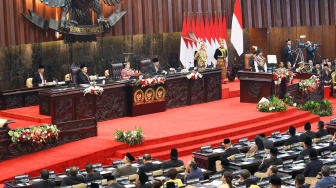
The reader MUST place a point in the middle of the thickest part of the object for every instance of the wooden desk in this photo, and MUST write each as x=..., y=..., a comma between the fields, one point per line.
x=331, y=128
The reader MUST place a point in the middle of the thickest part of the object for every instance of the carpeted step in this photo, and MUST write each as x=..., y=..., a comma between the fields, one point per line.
x=226, y=131
x=30, y=113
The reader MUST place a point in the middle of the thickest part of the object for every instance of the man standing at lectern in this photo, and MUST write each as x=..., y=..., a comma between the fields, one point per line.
x=155, y=68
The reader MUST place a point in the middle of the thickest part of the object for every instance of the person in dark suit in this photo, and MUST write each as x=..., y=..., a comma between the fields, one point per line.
x=292, y=137
x=148, y=166
x=155, y=67
x=327, y=180
x=39, y=76
x=321, y=131
x=228, y=149
x=317, y=69
x=73, y=179
x=83, y=77
x=308, y=133
x=268, y=144
x=326, y=74
x=142, y=181
x=288, y=52
x=273, y=160
x=307, y=148
x=310, y=51
x=44, y=183
x=245, y=179
x=112, y=183
x=314, y=166
x=127, y=168
x=91, y=175
x=275, y=182
x=300, y=181
x=272, y=171
x=173, y=162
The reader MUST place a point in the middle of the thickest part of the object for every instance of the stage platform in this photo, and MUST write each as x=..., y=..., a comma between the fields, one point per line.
x=186, y=128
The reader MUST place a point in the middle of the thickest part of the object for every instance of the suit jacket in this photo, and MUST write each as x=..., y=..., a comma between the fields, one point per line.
x=304, y=153
x=326, y=77
x=268, y=162
x=288, y=55
x=148, y=167
x=151, y=70
x=116, y=185
x=147, y=185
x=291, y=140
x=172, y=164
x=73, y=180
x=268, y=144
x=321, y=133
x=82, y=78
x=228, y=152
x=125, y=170
x=195, y=174
x=310, y=53
x=93, y=177
x=37, y=78
x=315, y=70
x=328, y=181
x=44, y=184
x=310, y=134
x=273, y=175
x=312, y=168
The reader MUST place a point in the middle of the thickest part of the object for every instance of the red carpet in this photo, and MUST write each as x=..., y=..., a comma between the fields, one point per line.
x=26, y=113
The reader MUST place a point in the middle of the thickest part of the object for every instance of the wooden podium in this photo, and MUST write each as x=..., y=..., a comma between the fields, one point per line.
x=254, y=86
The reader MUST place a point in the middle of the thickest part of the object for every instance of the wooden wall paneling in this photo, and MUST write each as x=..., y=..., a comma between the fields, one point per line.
x=296, y=16
x=30, y=27
x=177, y=15
x=145, y=14
x=328, y=42
x=2, y=24
x=258, y=38
x=315, y=35
x=127, y=19
x=302, y=30
x=266, y=7
x=138, y=23
x=305, y=12
x=164, y=20
x=247, y=14
x=258, y=14
x=160, y=17
x=170, y=16
x=324, y=11
x=275, y=43
x=276, y=14
x=207, y=8
x=332, y=12
x=314, y=9
x=287, y=15
x=10, y=22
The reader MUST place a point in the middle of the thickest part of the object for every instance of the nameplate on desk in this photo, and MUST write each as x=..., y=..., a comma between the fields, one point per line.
x=97, y=167
x=281, y=149
x=52, y=174
x=215, y=177
x=276, y=134
x=116, y=163
x=21, y=179
x=206, y=149
x=240, y=157
x=192, y=181
x=243, y=141
x=123, y=180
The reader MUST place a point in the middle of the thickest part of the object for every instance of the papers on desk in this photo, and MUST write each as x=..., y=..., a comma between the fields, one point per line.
x=157, y=162
x=297, y=167
x=101, y=77
x=218, y=150
x=160, y=178
x=203, y=170
x=37, y=179
x=62, y=176
x=135, y=164
x=130, y=185
x=216, y=183
x=245, y=162
x=110, y=169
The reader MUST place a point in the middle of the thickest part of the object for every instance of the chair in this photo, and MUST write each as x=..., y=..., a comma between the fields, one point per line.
x=157, y=172
x=133, y=177
x=260, y=175
x=333, y=83
x=143, y=65
x=29, y=82
x=308, y=180
x=218, y=166
x=81, y=185
x=107, y=73
x=104, y=182
x=74, y=73
x=116, y=70
x=247, y=59
x=67, y=77
x=179, y=169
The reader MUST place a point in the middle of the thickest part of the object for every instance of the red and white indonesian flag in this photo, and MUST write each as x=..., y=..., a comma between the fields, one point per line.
x=237, y=29
x=184, y=51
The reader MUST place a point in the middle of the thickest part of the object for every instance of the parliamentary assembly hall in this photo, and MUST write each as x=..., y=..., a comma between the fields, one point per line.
x=167, y=93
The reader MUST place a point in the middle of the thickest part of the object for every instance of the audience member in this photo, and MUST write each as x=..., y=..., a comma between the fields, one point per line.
x=173, y=162
x=127, y=168
x=227, y=178
x=272, y=171
x=228, y=149
x=332, y=146
x=321, y=131
x=273, y=160
x=327, y=180
x=245, y=179
x=259, y=145
x=268, y=144
x=91, y=175
x=148, y=166
x=317, y=69
x=308, y=133
x=307, y=148
x=172, y=173
x=112, y=183
x=300, y=181
x=44, y=183
x=326, y=74
x=74, y=178
x=313, y=167
x=275, y=182
x=293, y=138
x=192, y=171
x=142, y=181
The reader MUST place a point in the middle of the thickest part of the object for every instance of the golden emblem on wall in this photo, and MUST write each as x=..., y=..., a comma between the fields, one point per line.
x=149, y=95
x=160, y=94
x=139, y=97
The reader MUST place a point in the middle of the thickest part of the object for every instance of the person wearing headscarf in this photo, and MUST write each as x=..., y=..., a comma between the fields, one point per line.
x=258, y=146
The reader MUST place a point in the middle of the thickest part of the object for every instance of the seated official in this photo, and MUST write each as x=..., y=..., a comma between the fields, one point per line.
x=112, y=183
x=172, y=173
x=148, y=166
x=127, y=168
x=317, y=69
x=154, y=68
x=258, y=146
x=73, y=179
x=300, y=181
x=228, y=149
x=326, y=75
x=91, y=175
x=321, y=131
x=275, y=182
x=281, y=65
x=227, y=178
x=268, y=144
x=314, y=166
x=39, y=76
x=272, y=171
x=307, y=148
x=173, y=162
x=44, y=183
x=327, y=180
x=142, y=181
x=308, y=133
x=260, y=64
x=300, y=68
x=83, y=77
x=245, y=179
x=193, y=172
x=289, y=66
x=310, y=66
x=292, y=137
x=127, y=72
x=273, y=160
